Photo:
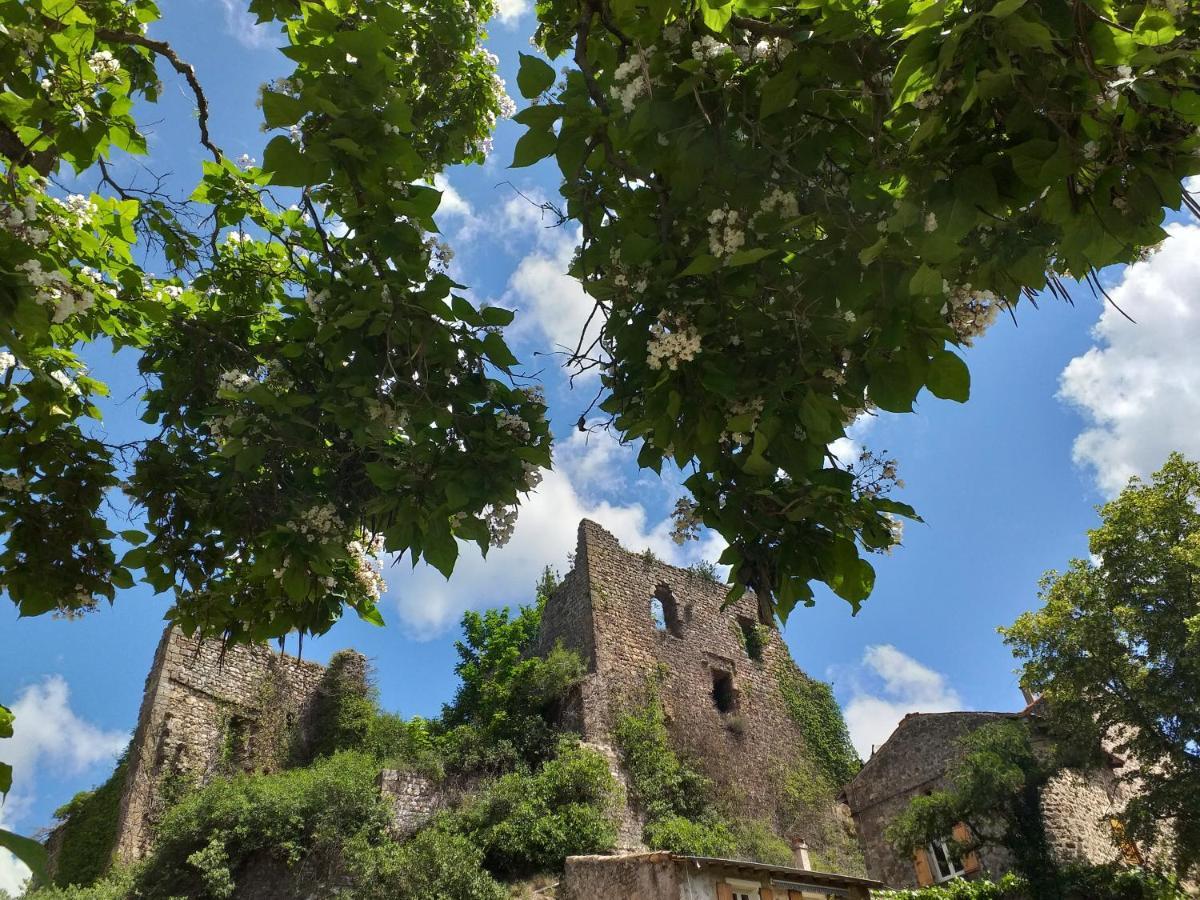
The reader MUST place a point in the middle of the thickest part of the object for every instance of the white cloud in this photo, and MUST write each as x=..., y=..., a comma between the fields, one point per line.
x=848, y=448
x=453, y=204
x=48, y=738
x=241, y=25
x=888, y=685
x=545, y=534
x=509, y=12
x=1139, y=387
x=551, y=300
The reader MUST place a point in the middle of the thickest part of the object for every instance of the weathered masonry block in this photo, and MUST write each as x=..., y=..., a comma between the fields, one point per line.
x=413, y=797
x=633, y=618
x=210, y=709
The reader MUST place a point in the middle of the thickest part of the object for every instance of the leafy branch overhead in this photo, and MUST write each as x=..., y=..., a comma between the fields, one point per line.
x=795, y=213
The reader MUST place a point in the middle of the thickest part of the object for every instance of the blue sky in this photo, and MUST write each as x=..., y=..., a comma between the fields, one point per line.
x=1067, y=403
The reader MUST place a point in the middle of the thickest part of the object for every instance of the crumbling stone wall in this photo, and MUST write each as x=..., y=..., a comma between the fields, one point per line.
x=414, y=799
x=210, y=709
x=915, y=760
x=603, y=611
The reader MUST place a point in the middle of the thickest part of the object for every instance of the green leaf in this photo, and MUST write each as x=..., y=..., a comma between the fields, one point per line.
x=534, y=145
x=280, y=109
x=534, y=77
x=894, y=385
x=777, y=93
x=1155, y=27
x=295, y=583
x=370, y=613
x=134, y=536
x=497, y=351
x=949, y=377
x=745, y=257
x=441, y=551
x=497, y=316
x=702, y=265
x=6, y=720
x=28, y=851
x=926, y=282
x=287, y=164
x=1006, y=8
x=120, y=578
x=5, y=779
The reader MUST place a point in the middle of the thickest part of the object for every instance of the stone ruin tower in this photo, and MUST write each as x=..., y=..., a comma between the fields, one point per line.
x=210, y=709
x=720, y=674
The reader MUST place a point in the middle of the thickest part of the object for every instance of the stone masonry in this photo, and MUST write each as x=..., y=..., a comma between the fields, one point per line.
x=210, y=709
x=1077, y=805
x=724, y=707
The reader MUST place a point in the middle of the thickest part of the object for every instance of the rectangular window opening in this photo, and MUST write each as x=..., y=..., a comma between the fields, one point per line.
x=723, y=695
x=947, y=865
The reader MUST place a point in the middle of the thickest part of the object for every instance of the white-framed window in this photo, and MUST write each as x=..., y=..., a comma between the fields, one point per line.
x=745, y=890
x=945, y=864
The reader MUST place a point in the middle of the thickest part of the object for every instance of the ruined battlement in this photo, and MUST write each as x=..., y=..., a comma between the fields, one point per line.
x=718, y=671
x=209, y=709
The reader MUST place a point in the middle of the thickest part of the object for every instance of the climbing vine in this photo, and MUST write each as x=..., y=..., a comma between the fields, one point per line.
x=813, y=707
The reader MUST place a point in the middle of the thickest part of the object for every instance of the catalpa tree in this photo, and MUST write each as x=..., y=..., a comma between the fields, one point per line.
x=790, y=213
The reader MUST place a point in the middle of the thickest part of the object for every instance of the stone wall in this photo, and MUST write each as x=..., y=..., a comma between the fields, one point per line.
x=653, y=876
x=414, y=799
x=913, y=761
x=603, y=610
x=211, y=709
x=1076, y=804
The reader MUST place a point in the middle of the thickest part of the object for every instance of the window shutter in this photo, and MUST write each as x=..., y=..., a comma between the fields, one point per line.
x=1129, y=850
x=724, y=892
x=766, y=894
x=970, y=861
x=921, y=864
x=795, y=895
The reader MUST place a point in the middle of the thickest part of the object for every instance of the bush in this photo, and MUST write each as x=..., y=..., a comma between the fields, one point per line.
x=116, y=885
x=1010, y=887
x=300, y=817
x=813, y=707
x=343, y=711
x=707, y=836
x=530, y=823
x=435, y=863
x=1076, y=882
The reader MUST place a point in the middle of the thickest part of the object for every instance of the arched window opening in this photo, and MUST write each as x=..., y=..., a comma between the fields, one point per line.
x=722, y=692
x=657, y=614
x=664, y=612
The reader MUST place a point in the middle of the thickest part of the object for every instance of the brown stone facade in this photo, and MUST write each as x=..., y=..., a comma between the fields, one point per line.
x=211, y=709
x=1077, y=805
x=721, y=694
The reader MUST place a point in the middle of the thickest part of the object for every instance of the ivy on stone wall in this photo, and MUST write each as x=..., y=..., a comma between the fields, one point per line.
x=812, y=706
x=89, y=831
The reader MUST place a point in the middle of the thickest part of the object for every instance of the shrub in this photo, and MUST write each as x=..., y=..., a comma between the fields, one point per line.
x=434, y=863
x=301, y=817
x=1075, y=882
x=343, y=711
x=116, y=885
x=527, y=823
x=756, y=841
x=1010, y=887
x=89, y=831
x=706, y=836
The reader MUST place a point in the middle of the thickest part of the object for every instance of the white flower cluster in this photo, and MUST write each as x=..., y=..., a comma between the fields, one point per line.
x=246, y=161
x=536, y=394
x=7, y=361
x=237, y=381
x=631, y=80
x=20, y=222
x=277, y=378
x=685, y=520
x=440, y=252
x=896, y=526
x=76, y=603
x=54, y=289
x=970, y=313
x=368, y=574
x=743, y=407
x=65, y=382
x=776, y=49
x=220, y=427
x=508, y=107
x=235, y=238
x=725, y=236
x=289, y=86
x=391, y=417
x=14, y=484
x=780, y=202
x=501, y=521
x=931, y=223
x=1112, y=90
x=103, y=64
x=708, y=48
x=671, y=346
x=79, y=208
x=514, y=425
x=932, y=98
x=531, y=476
x=317, y=522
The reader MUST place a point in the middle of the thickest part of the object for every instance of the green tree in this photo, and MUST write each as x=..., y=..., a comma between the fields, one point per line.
x=995, y=790
x=1115, y=650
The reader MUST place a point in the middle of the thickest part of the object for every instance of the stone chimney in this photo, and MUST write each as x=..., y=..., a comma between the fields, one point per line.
x=800, y=858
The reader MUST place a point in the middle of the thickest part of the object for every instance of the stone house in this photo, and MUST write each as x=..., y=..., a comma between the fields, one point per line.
x=1078, y=806
x=668, y=876
x=719, y=672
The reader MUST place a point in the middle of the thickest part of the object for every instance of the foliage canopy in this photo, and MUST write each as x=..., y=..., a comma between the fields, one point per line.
x=1115, y=649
